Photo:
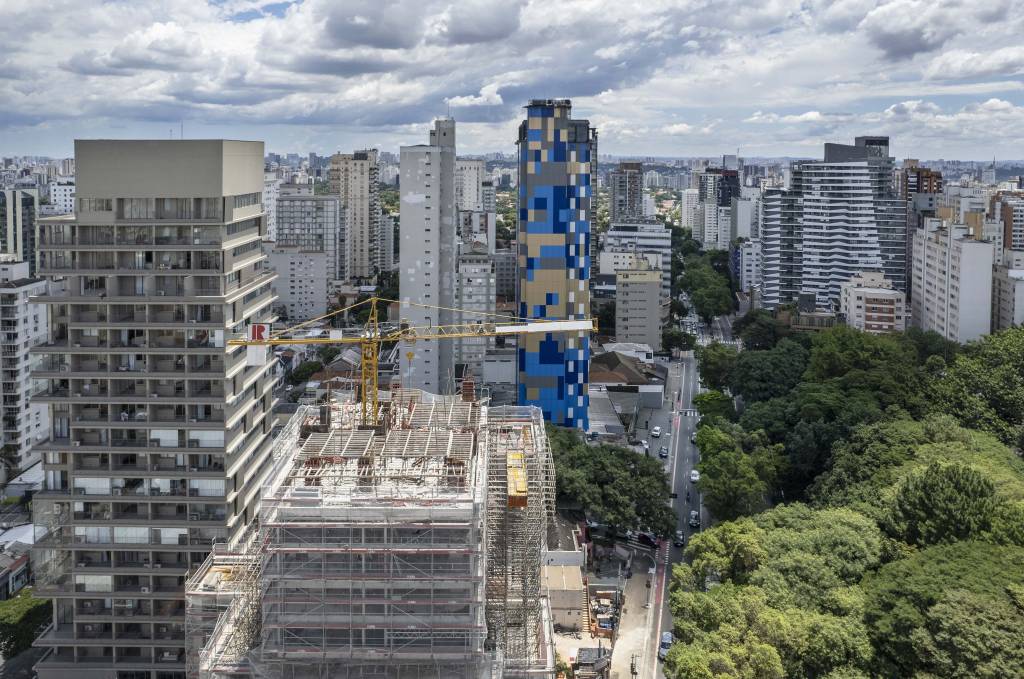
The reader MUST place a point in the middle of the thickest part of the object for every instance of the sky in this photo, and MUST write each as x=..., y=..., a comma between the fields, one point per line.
x=943, y=78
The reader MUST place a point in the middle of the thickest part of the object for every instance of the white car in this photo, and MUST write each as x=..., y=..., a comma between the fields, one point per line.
x=694, y=475
x=656, y=432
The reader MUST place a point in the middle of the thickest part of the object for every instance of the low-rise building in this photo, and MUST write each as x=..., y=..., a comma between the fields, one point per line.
x=869, y=302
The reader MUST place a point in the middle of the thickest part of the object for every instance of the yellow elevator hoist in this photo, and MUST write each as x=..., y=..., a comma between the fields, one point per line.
x=373, y=334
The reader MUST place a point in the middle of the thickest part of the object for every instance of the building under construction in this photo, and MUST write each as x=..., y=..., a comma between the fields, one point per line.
x=406, y=550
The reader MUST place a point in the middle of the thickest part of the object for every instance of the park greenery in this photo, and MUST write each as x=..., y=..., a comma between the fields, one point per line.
x=705, y=278
x=869, y=494
x=618, y=486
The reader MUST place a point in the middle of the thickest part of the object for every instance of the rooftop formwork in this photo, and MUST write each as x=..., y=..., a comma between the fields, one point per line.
x=373, y=555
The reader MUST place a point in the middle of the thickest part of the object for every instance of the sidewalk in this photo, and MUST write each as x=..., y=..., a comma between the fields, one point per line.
x=634, y=625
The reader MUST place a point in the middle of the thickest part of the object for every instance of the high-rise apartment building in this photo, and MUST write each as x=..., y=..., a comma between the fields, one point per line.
x=1008, y=291
x=556, y=154
x=648, y=239
x=355, y=177
x=869, y=303
x=638, y=305
x=308, y=254
x=428, y=273
x=469, y=179
x=19, y=210
x=627, y=192
x=488, y=196
x=271, y=188
x=689, y=209
x=476, y=295
x=1013, y=223
x=952, y=282
x=840, y=217
x=23, y=325
x=160, y=431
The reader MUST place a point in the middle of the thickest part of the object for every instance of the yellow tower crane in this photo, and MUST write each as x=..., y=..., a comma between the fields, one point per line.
x=373, y=334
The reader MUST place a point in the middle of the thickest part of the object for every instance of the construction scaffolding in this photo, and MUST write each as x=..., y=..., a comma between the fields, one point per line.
x=403, y=550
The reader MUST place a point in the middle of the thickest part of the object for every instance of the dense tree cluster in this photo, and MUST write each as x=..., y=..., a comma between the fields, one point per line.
x=901, y=551
x=706, y=279
x=617, y=485
x=22, y=618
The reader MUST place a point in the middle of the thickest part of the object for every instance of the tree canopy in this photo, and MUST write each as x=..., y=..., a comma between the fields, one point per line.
x=707, y=282
x=716, y=362
x=22, y=618
x=623, y=488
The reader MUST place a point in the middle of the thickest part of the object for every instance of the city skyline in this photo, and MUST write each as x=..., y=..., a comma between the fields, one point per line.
x=943, y=80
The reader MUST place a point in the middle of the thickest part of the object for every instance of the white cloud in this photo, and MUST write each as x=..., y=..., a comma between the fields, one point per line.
x=489, y=96
x=658, y=77
x=960, y=63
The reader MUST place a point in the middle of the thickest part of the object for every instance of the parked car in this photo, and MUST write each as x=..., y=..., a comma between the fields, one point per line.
x=645, y=445
x=648, y=539
x=666, y=643
x=663, y=452
x=656, y=432
x=680, y=539
x=694, y=518
x=694, y=475
x=693, y=438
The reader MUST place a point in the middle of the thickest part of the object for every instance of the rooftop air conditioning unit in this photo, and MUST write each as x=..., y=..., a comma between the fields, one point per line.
x=144, y=589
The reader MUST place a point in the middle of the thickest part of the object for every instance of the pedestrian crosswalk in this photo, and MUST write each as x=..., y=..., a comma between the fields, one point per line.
x=689, y=412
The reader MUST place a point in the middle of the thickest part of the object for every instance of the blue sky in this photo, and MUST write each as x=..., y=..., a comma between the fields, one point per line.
x=944, y=78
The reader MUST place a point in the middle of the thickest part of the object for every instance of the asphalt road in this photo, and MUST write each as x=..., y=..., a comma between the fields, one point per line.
x=682, y=459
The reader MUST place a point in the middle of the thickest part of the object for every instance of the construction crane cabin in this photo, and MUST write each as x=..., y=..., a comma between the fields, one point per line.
x=375, y=333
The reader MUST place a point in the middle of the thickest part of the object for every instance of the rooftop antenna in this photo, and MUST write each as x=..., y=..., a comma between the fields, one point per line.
x=182, y=134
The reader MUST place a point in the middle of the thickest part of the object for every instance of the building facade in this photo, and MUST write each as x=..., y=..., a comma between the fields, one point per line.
x=303, y=282
x=428, y=268
x=647, y=238
x=312, y=223
x=19, y=210
x=951, y=283
x=556, y=154
x=62, y=196
x=23, y=325
x=1008, y=291
x=627, y=192
x=638, y=306
x=840, y=217
x=354, y=177
x=869, y=303
x=160, y=431
x=469, y=179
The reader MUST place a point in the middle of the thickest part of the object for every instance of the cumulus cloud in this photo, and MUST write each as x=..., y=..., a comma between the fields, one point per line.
x=489, y=96
x=654, y=76
x=960, y=63
x=905, y=28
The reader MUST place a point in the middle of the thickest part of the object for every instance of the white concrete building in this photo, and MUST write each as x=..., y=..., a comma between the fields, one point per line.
x=303, y=281
x=271, y=188
x=839, y=217
x=689, y=207
x=428, y=270
x=62, y=195
x=475, y=293
x=743, y=217
x=951, y=282
x=747, y=264
x=616, y=259
x=644, y=237
x=1008, y=291
x=469, y=179
x=24, y=325
x=869, y=303
x=312, y=223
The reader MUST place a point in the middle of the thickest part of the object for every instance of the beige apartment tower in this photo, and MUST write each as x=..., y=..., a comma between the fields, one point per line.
x=355, y=177
x=159, y=431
